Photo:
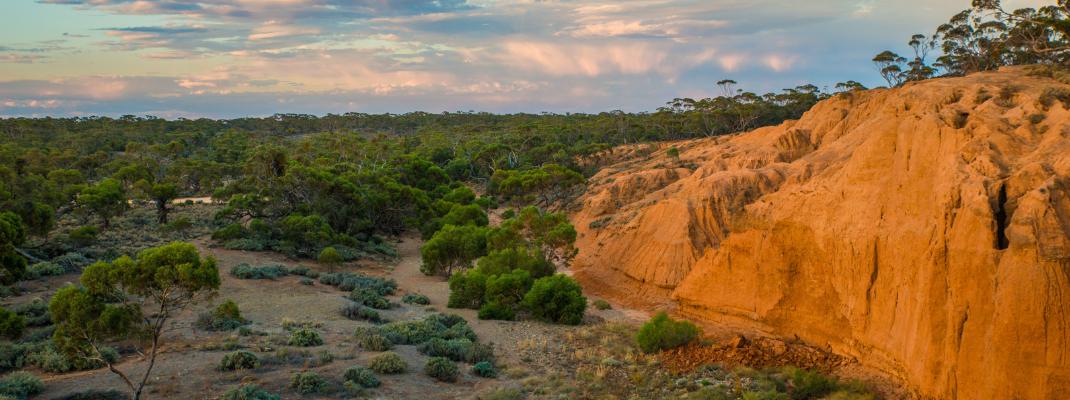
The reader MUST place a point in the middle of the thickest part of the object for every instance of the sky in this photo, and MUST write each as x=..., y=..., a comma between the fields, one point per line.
x=237, y=58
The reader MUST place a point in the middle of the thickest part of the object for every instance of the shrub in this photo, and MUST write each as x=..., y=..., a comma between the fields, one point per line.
x=83, y=236
x=330, y=257
x=416, y=298
x=50, y=360
x=72, y=261
x=361, y=376
x=496, y=311
x=557, y=299
x=304, y=271
x=601, y=304
x=508, y=288
x=309, y=383
x=467, y=289
x=662, y=333
x=810, y=384
x=224, y=317
x=13, y=355
x=239, y=360
x=94, y=394
x=454, y=349
x=369, y=297
x=249, y=392
x=370, y=339
x=484, y=369
x=305, y=337
x=21, y=384
x=230, y=232
x=348, y=281
x=442, y=369
x=246, y=271
x=11, y=324
x=356, y=311
x=388, y=363
x=307, y=281
x=45, y=269
x=245, y=245
x=34, y=312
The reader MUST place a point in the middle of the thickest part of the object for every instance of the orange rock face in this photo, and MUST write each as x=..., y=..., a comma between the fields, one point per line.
x=923, y=230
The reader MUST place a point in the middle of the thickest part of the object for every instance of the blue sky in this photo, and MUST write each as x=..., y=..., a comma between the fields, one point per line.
x=233, y=58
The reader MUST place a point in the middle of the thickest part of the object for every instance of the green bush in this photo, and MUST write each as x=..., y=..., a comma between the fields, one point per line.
x=230, y=232
x=808, y=385
x=496, y=311
x=557, y=299
x=11, y=324
x=72, y=261
x=249, y=392
x=501, y=261
x=662, y=333
x=416, y=298
x=225, y=317
x=14, y=355
x=304, y=271
x=246, y=245
x=83, y=236
x=356, y=311
x=508, y=288
x=442, y=369
x=601, y=304
x=369, y=297
x=45, y=269
x=246, y=271
x=484, y=369
x=305, y=337
x=309, y=383
x=454, y=349
x=35, y=312
x=21, y=384
x=94, y=394
x=307, y=281
x=239, y=360
x=348, y=281
x=361, y=376
x=388, y=363
x=49, y=359
x=467, y=289
x=479, y=352
x=370, y=339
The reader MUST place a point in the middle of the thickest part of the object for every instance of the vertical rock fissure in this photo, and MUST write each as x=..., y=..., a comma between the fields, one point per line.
x=1000, y=215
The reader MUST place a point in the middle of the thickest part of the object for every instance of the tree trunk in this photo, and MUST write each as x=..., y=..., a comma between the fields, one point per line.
x=161, y=211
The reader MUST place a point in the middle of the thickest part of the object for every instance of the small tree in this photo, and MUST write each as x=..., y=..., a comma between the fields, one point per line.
x=130, y=298
x=162, y=194
x=11, y=324
x=453, y=247
x=330, y=257
x=662, y=333
x=673, y=153
x=557, y=299
x=106, y=199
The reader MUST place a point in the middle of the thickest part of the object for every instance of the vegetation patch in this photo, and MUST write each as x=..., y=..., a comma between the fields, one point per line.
x=442, y=369
x=663, y=333
x=388, y=363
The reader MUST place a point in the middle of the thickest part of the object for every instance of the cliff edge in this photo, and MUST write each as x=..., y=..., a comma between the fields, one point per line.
x=923, y=230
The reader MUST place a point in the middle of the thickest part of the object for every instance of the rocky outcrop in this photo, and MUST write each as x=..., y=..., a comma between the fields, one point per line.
x=923, y=230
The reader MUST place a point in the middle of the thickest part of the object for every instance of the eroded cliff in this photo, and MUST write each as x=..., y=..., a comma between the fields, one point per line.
x=924, y=230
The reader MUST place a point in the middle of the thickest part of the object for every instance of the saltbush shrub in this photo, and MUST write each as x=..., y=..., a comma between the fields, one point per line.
x=21, y=384
x=663, y=333
x=442, y=369
x=49, y=359
x=45, y=269
x=370, y=339
x=454, y=349
x=230, y=232
x=356, y=311
x=225, y=317
x=601, y=304
x=416, y=298
x=239, y=360
x=72, y=261
x=361, y=376
x=83, y=236
x=249, y=392
x=369, y=297
x=305, y=337
x=557, y=299
x=388, y=363
x=246, y=271
x=810, y=384
x=110, y=394
x=246, y=245
x=35, y=312
x=484, y=369
x=309, y=383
